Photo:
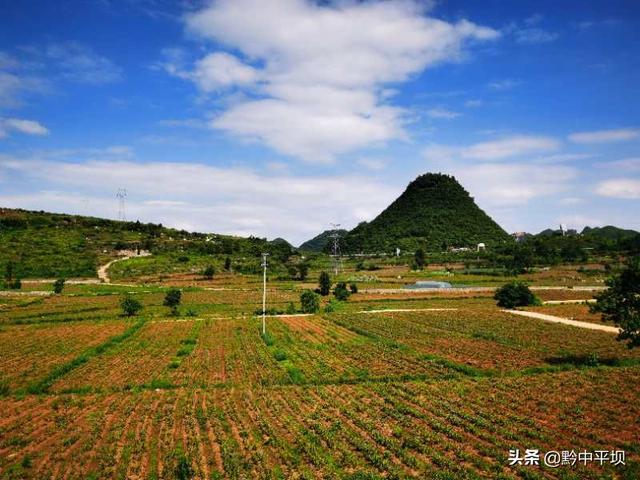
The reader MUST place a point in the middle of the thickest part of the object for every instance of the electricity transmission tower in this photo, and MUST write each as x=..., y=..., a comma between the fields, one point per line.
x=122, y=196
x=335, y=236
x=264, y=292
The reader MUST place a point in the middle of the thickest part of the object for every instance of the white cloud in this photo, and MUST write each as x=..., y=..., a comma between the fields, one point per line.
x=532, y=36
x=473, y=103
x=373, y=163
x=626, y=188
x=79, y=63
x=499, y=185
x=202, y=197
x=318, y=74
x=27, y=127
x=504, y=84
x=606, y=136
x=493, y=150
x=442, y=113
x=220, y=70
x=630, y=164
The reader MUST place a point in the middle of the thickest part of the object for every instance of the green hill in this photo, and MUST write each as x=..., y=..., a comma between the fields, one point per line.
x=608, y=233
x=319, y=242
x=41, y=244
x=434, y=212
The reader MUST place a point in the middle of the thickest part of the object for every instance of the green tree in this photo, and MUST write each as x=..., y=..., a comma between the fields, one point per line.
x=620, y=303
x=58, y=285
x=341, y=292
x=419, y=259
x=303, y=271
x=515, y=294
x=309, y=301
x=227, y=264
x=130, y=306
x=353, y=287
x=208, y=272
x=172, y=299
x=324, y=284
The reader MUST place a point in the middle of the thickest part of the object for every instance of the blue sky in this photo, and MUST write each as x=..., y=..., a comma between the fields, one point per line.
x=277, y=118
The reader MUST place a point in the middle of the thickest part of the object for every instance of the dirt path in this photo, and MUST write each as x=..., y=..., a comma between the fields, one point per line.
x=566, y=321
x=103, y=270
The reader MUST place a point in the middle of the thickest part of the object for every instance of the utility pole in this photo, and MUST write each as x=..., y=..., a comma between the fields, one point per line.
x=336, y=247
x=264, y=293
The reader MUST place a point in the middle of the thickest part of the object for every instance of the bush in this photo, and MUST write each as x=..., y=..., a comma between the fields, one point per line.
x=515, y=294
x=354, y=288
x=291, y=308
x=208, y=272
x=58, y=285
x=130, y=306
x=419, y=259
x=172, y=299
x=227, y=264
x=310, y=302
x=341, y=292
x=324, y=284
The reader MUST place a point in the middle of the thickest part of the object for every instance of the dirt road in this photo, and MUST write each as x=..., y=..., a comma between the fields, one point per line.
x=103, y=270
x=566, y=321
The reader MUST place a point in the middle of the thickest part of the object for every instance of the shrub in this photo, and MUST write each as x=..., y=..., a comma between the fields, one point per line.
x=227, y=264
x=324, y=284
x=332, y=306
x=58, y=286
x=341, y=292
x=353, y=287
x=172, y=299
x=419, y=260
x=515, y=294
x=280, y=355
x=291, y=308
x=130, y=306
x=309, y=301
x=208, y=272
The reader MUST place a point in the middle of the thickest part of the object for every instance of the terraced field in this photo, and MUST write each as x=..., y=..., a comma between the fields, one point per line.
x=443, y=388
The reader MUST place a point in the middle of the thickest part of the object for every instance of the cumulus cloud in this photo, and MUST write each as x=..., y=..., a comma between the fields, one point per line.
x=317, y=74
x=606, y=136
x=219, y=70
x=625, y=188
x=19, y=125
x=202, y=197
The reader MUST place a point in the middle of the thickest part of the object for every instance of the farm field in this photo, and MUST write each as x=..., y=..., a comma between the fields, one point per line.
x=422, y=385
